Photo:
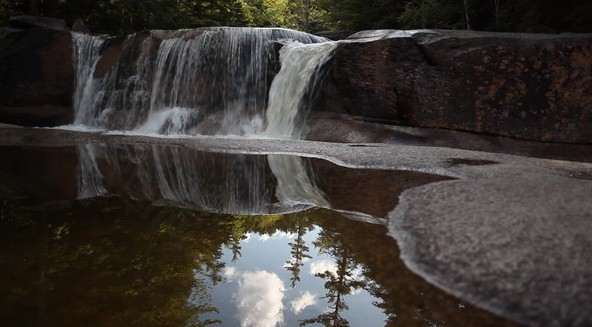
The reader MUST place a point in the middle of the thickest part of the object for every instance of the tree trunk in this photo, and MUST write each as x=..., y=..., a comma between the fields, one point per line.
x=307, y=16
x=35, y=9
x=50, y=8
x=497, y=8
x=467, y=15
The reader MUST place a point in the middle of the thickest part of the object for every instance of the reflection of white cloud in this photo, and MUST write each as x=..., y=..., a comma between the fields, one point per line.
x=229, y=272
x=292, y=261
x=305, y=300
x=259, y=299
x=321, y=266
x=264, y=237
x=276, y=235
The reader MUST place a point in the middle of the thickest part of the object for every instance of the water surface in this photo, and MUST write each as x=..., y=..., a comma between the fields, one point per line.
x=158, y=235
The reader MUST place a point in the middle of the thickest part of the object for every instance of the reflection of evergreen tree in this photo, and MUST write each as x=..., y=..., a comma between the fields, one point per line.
x=238, y=234
x=338, y=284
x=298, y=250
x=111, y=262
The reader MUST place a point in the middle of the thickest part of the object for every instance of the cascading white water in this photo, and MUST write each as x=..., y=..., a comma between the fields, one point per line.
x=87, y=52
x=219, y=76
x=292, y=87
x=205, y=81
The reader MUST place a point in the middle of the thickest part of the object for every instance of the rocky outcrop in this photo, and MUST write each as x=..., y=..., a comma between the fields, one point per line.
x=41, y=22
x=36, y=73
x=526, y=86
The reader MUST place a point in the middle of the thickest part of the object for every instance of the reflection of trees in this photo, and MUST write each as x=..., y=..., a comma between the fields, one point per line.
x=339, y=283
x=299, y=250
x=109, y=261
x=122, y=263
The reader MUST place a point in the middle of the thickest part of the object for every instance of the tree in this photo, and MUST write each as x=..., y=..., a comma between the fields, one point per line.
x=467, y=21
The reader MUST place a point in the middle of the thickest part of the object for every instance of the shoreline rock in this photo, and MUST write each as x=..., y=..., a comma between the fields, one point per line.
x=526, y=86
x=36, y=76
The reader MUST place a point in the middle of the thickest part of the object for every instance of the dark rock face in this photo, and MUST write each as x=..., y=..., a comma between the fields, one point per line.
x=36, y=76
x=80, y=27
x=41, y=22
x=532, y=87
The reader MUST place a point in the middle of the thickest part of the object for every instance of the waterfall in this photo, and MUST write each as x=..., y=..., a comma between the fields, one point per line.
x=290, y=95
x=202, y=81
x=87, y=51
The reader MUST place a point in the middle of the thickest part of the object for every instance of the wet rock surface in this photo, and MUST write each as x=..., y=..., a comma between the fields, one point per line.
x=526, y=86
x=331, y=127
x=518, y=246
x=38, y=22
x=36, y=76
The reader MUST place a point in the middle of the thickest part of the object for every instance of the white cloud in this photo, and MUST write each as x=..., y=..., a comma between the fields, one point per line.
x=259, y=299
x=305, y=300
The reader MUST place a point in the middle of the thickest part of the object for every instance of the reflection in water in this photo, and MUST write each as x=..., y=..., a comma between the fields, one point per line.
x=258, y=298
x=146, y=257
x=213, y=182
x=206, y=181
x=293, y=182
x=90, y=179
x=116, y=262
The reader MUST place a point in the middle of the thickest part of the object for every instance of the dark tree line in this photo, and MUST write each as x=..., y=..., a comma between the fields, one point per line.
x=122, y=16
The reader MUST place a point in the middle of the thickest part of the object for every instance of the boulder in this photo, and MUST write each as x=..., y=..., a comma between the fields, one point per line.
x=36, y=76
x=80, y=27
x=39, y=22
x=525, y=86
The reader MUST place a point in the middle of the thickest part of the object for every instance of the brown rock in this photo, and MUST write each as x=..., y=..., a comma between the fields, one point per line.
x=532, y=87
x=36, y=77
x=41, y=22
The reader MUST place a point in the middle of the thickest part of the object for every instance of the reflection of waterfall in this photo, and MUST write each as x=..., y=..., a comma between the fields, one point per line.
x=292, y=89
x=216, y=78
x=230, y=183
x=90, y=179
x=294, y=184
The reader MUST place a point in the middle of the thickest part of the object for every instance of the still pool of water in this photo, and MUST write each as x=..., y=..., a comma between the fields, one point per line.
x=139, y=235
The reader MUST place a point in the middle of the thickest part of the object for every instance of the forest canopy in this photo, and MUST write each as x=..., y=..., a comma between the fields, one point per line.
x=123, y=16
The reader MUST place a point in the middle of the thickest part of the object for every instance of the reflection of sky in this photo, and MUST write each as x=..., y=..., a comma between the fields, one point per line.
x=257, y=289
x=259, y=298
x=303, y=301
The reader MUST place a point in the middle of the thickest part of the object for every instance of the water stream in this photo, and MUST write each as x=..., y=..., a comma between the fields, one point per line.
x=213, y=81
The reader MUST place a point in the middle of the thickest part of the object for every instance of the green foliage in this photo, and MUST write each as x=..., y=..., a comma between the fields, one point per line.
x=10, y=8
x=124, y=16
